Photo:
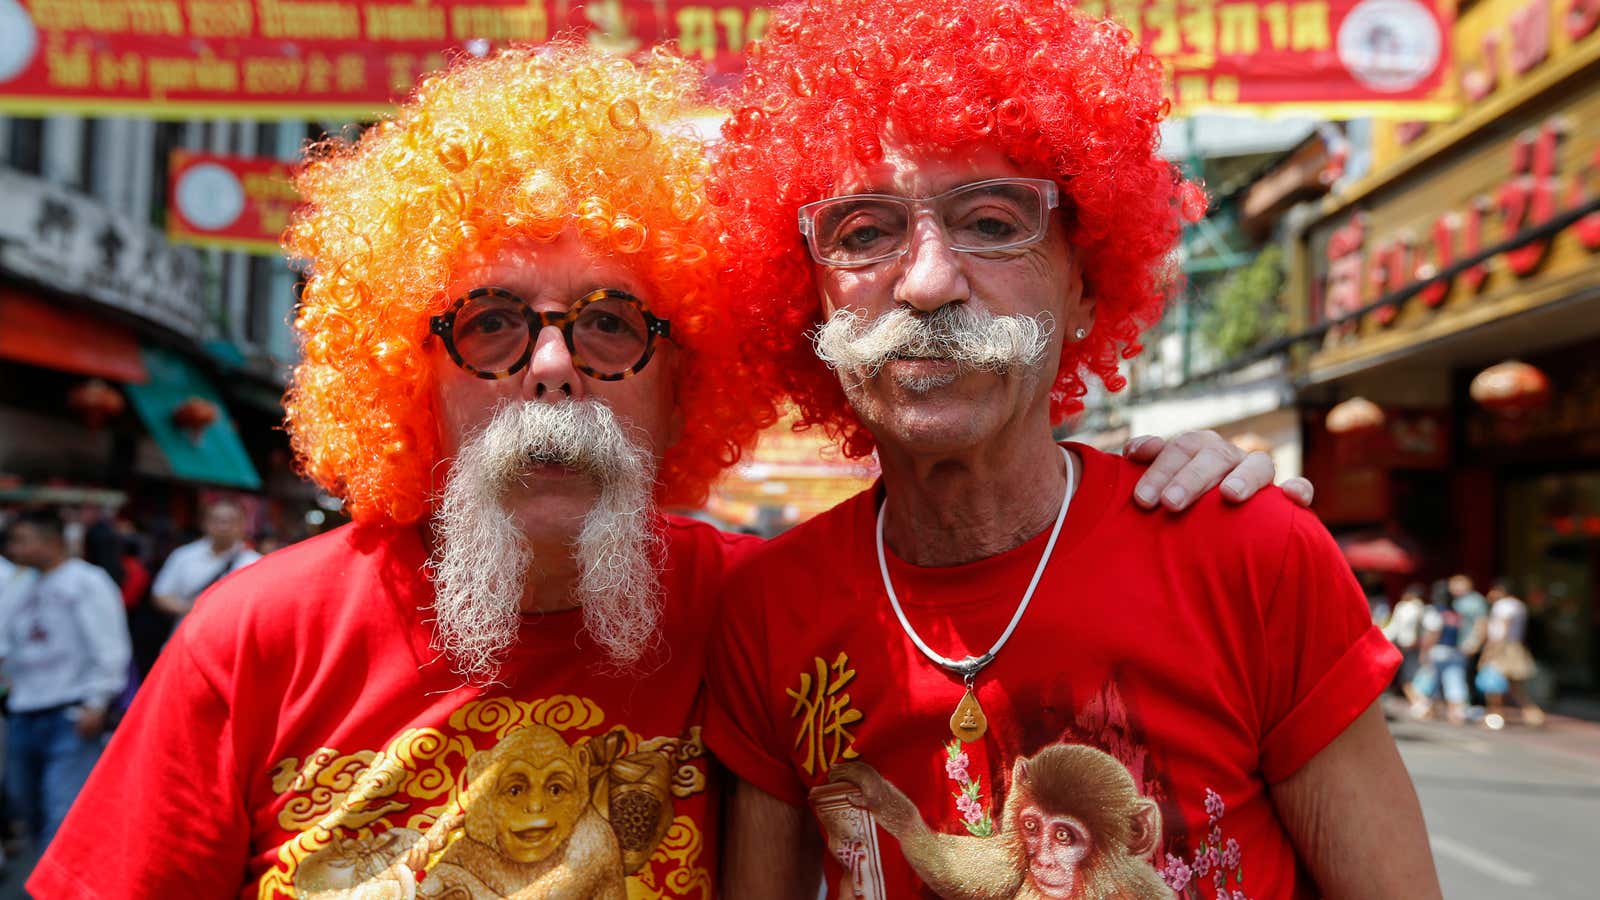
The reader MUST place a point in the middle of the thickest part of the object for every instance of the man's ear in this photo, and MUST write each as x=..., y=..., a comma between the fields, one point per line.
x=1077, y=304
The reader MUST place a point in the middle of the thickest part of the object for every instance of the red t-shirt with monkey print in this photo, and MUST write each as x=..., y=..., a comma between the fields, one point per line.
x=298, y=738
x=1170, y=669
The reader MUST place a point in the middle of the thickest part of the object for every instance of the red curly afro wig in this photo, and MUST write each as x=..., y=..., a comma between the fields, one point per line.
x=528, y=143
x=1063, y=95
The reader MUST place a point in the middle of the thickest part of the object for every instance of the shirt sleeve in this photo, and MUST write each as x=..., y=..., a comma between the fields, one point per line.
x=104, y=626
x=163, y=813
x=166, y=583
x=1326, y=661
x=739, y=722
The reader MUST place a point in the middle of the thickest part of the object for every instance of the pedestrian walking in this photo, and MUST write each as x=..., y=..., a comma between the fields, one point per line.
x=1444, y=666
x=1506, y=665
x=64, y=650
x=199, y=564
x=1404, y=630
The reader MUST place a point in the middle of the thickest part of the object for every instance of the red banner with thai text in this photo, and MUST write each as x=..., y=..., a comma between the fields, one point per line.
x=233, y=202
x=343, y=59
x=1331, y=58
x=353, y=58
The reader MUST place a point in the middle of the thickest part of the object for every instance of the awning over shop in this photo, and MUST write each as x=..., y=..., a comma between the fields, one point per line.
x=212, y=455
x=1377, y=554
x=40, y=333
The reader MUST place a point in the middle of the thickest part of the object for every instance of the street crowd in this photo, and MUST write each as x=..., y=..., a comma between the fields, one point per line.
x=86, y=604
x=1459, y=646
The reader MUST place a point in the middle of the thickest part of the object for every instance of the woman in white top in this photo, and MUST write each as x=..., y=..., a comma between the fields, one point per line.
x=1404, y=630
x=1506, y=665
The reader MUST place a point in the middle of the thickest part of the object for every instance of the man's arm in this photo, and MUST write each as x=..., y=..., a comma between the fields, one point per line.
x=1354, y=817
x=164, y=591
x=772, y=850
x=104, y=627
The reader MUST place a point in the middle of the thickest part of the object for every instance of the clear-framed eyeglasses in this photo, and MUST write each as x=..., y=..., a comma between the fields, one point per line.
x=990, y=216
x=491, y=331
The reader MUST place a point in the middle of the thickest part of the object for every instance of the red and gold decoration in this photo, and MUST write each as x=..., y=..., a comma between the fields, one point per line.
x=351, y=58
x=1355, y=417
x=796, y=474
x=96, y=401
x=1510, y=389
x=230, y=202
x=194, y=416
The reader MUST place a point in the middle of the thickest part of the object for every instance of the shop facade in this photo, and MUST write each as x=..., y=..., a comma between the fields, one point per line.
x=1483, y=455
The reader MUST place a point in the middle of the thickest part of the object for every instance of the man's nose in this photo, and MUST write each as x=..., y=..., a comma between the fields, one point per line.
x=931, y=276
x=551, y=374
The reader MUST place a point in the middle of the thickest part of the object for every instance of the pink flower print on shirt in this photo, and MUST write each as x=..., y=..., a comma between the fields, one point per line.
x=1231, y=854
x=969, y=799
x=1219, y=857
x=971, y=810
x=956, y=768
x=1177, y=874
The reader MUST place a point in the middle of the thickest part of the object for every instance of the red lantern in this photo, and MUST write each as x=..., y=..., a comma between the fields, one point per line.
x=1510, y=389
x=1355, y=416
x=96, y=401
x=194, y=416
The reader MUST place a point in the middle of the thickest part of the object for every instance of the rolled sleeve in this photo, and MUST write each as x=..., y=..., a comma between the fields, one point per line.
x=739, y=719
x=1326, y=662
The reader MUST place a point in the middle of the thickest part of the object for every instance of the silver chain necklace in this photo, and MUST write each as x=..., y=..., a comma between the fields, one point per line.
x=968, y=722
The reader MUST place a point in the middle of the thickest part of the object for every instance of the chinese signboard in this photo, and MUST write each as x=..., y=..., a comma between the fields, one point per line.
x=351, y=58
x=232, y=202
x=70, y=243
x=1502, y=46
x=1540, y=162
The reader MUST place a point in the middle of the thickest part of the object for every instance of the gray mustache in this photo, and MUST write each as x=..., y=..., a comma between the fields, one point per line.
x=955, y=331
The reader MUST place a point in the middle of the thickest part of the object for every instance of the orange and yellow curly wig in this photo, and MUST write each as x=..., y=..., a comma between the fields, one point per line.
x=527, y=143
x=1063, y=95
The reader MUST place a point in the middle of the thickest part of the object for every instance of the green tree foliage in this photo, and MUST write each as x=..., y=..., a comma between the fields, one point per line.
x=1246, y=308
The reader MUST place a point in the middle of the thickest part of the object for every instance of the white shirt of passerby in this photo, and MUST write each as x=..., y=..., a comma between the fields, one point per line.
x=63, y=638
x=1508, y=620
x=1404, y=623
x=195, y=566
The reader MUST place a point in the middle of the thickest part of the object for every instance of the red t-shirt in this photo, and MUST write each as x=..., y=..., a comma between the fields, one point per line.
x=1169, y=664
x=298, y=736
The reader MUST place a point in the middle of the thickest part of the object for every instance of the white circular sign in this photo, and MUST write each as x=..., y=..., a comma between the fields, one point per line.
x=210, y=196
x=1390, y=46
x=19, y=39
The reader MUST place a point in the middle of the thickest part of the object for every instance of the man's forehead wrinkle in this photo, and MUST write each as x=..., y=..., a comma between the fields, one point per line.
x=564, y=270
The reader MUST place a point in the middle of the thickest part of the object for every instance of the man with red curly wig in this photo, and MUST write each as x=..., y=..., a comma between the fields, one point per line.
x=515, y=352
x=943, y=218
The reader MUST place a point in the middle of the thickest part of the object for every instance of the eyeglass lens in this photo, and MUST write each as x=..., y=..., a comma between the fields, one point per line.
x=608, y=335
x=978, y=218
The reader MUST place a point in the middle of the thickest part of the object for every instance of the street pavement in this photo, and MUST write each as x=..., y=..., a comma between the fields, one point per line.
x=1511, y=814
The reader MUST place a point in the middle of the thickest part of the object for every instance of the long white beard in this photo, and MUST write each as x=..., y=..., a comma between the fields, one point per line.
x=976, y=339
x=481, y=561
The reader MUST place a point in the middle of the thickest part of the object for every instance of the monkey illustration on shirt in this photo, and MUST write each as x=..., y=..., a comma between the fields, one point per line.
x=1074, y=827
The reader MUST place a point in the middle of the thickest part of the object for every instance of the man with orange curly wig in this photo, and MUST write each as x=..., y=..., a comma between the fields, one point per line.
x=515, y=351
x=512, y=359
x=942, y=218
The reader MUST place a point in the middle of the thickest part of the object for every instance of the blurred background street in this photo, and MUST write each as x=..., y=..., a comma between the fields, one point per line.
x=1510, y=814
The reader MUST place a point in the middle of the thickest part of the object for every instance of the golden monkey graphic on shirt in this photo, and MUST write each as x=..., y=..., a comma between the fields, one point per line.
x=511, y=799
